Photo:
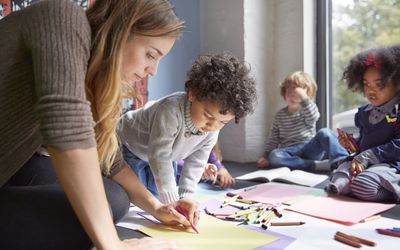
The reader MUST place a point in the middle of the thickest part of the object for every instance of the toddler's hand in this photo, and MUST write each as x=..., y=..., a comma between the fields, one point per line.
x=210, y=172
x=262, y=163
x=301, y=92
x=225, y=178
x=356, y=167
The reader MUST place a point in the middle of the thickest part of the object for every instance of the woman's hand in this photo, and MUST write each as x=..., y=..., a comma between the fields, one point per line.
x=225, y=179
x=168, y=215
x=150, y=243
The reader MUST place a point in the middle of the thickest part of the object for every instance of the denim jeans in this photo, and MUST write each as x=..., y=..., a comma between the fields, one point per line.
x=143, y=171
x=303, y=156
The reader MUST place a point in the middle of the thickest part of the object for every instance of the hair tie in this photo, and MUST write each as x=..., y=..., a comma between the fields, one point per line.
x=372, y=61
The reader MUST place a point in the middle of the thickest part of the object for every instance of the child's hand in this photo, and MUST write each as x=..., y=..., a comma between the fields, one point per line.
x=301, y=92
x=210, y=172
x=262, y=163
x=356, y=167
x=225, y=178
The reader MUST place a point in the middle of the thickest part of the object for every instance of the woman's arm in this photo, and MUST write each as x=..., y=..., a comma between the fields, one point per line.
x=79, y=173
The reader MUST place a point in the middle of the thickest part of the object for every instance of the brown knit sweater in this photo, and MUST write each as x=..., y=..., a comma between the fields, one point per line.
x=44, y=51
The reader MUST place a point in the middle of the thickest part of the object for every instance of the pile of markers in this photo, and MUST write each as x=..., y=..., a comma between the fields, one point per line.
x=252, y=212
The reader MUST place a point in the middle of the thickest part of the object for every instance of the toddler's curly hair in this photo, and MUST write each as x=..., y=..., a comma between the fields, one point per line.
x=223, y=79
x=385, y=59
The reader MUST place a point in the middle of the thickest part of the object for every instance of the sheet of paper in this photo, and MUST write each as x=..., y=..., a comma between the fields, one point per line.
x=281, y=243
x=272, y=192
x=340, y=209
x=214, y=234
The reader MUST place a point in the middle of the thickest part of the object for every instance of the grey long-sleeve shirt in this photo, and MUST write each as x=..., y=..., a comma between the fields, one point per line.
x=158, y=133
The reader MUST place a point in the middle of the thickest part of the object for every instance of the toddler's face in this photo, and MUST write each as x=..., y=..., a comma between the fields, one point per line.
x=373, y=88
x=206, y=115
x=292, y=96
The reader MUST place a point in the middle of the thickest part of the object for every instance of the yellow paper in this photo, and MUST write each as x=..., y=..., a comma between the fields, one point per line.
x=214, y=234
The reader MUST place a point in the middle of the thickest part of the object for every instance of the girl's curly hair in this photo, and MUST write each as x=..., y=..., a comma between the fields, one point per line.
x=223, y=79
x=385, y=59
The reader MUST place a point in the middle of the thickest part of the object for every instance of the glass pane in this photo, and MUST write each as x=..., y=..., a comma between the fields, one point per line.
x=358, y=25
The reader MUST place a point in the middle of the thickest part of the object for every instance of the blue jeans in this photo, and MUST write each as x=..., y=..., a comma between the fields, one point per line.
x=143, y=171
x=303, y=156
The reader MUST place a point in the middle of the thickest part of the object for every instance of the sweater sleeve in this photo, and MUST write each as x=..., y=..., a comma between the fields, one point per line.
x=58, y=36
x=194, y=166
x=273, y=140
x=164, y=129
x=310, y=112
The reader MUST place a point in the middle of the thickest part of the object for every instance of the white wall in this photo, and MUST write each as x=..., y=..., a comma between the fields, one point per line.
x=221, y=25
x=276, y=37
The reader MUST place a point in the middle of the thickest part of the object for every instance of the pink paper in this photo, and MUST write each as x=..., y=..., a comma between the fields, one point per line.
x=340, y=209
x=272, y=192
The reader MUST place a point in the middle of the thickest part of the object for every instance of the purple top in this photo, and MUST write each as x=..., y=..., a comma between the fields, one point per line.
x=211, y=159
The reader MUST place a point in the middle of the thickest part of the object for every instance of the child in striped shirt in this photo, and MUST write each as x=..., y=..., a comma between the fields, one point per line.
x=293, y=141
x=373, y=173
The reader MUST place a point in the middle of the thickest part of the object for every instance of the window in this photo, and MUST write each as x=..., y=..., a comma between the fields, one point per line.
x=352, y=26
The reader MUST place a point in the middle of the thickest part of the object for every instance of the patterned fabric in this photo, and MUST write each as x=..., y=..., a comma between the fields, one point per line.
x=292, y=128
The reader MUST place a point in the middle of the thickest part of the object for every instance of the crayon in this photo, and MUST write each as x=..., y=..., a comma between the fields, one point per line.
x=355, y=238
x=347, y=241
x=388, y=232
x=184, y=213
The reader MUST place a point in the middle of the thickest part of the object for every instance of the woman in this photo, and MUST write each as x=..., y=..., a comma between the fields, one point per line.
x=61, y=75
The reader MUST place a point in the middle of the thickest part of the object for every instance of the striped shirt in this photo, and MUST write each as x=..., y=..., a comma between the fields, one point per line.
x=292, y=128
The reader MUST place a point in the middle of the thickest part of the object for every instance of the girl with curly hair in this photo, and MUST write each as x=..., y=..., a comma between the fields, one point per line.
x=373, y=173
x=185, y=125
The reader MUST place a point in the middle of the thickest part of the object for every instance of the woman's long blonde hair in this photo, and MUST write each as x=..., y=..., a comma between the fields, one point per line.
x=112, y=23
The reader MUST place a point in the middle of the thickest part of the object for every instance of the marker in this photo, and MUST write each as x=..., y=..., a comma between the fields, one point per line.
x=388, y=232
x=288, y=223
x=184, y=213
x=246, y=201
x=231, y=199
x=244, y=212
x=229, y=194
x=250, y=188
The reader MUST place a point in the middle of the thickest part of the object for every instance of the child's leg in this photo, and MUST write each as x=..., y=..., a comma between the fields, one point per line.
x=372, y=183
x=340, y=179
x=289, y=157
x=141, y=169
x=324, y=143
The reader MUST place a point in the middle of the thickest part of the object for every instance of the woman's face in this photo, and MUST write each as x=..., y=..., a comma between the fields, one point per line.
x=142, y=54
